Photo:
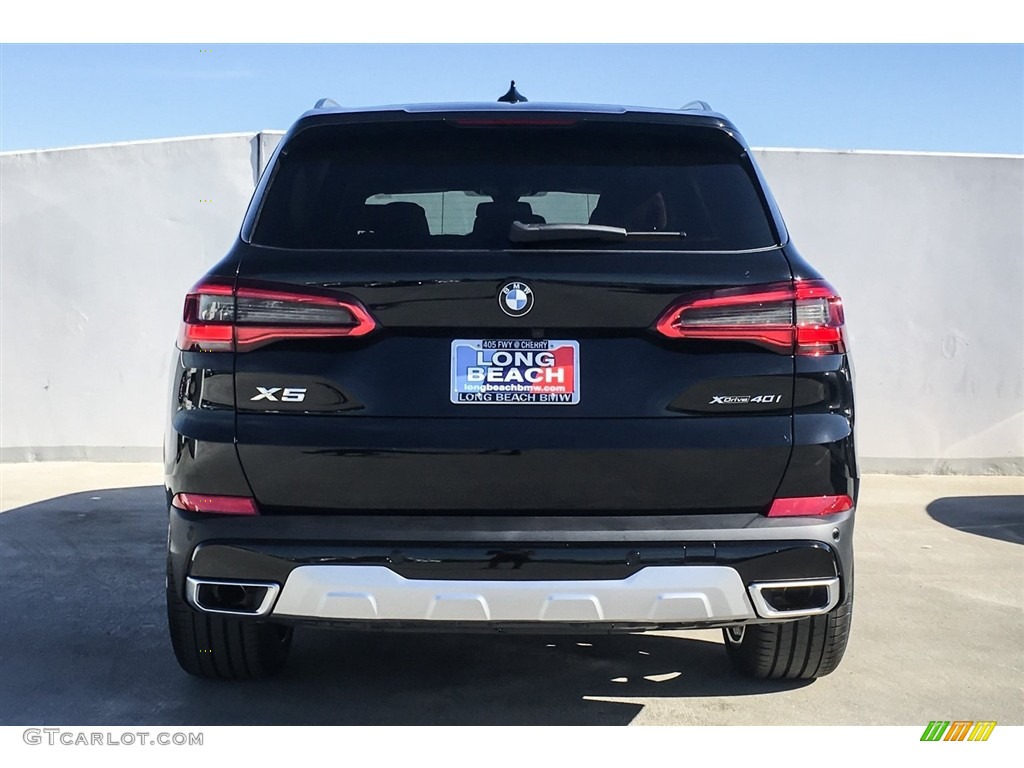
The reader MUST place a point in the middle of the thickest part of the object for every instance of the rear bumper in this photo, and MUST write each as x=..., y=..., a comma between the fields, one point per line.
x=658, y=596
x=621, y=573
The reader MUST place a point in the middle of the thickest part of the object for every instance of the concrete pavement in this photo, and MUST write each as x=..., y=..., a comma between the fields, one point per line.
x=938, y=630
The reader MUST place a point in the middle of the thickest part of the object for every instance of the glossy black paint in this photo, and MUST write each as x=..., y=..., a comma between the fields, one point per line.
x=824, y=459
x=399, y=375
x=739, y=394
x=556, y=465
x=755, y=561
x=468, y=457
x=199, y=442
x=603, y=291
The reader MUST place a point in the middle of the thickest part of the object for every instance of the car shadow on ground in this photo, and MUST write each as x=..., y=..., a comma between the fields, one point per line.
x=996, y=517
x=83, y=640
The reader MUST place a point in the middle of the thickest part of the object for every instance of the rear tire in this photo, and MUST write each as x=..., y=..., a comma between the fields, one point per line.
x=792, y=650
x=214, y=646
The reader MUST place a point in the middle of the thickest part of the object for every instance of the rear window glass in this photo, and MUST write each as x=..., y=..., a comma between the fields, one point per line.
x=416, y=185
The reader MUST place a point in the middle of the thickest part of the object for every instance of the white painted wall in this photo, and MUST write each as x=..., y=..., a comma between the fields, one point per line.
x=99, y=244
x=928, y=254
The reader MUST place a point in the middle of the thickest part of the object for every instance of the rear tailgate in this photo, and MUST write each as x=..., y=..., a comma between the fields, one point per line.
x=587, y=407
x=643, y=435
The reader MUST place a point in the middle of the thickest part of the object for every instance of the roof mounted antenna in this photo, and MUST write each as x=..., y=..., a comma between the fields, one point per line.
x=325, y=103
x=697, y=106
x=512, y=96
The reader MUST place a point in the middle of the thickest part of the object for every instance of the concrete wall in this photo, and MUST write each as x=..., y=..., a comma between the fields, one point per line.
x=927, y=252
x=99, y=245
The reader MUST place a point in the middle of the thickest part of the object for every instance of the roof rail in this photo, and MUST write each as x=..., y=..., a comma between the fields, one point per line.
x=324, y=103
x=697, y=105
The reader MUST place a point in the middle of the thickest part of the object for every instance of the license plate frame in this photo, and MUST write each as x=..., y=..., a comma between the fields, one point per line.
x=515, y=372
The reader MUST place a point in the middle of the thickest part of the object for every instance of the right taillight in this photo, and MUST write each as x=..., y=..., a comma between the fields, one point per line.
x=218, y=318
x=804, y=317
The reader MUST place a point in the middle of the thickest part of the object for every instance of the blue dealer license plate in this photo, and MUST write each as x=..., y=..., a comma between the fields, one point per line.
x=515, y=372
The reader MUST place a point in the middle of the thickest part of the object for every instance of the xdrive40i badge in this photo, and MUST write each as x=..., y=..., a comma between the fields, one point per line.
x=515, y=299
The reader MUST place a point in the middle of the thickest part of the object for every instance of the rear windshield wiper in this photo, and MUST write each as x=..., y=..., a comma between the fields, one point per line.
x=538, y=233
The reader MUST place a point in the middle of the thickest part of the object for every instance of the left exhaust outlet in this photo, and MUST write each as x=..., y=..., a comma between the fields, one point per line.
x=244, y=598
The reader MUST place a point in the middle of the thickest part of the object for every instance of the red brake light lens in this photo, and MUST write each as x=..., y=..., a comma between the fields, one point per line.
x=810, y=506
x=549, y=122
x=804, y=317
x=215, y=505
x=219, y=319
x=200, y=327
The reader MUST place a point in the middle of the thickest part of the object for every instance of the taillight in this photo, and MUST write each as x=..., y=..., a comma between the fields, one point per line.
x=215, y=505
x=804, y=317
x=217, y=319
x=809, y=506
x=206, y=320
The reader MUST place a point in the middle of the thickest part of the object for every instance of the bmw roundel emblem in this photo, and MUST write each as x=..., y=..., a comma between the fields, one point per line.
x=515, y=299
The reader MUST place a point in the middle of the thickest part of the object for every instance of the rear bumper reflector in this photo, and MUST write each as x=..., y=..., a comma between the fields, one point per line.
x=810, y=506
x=215, y=505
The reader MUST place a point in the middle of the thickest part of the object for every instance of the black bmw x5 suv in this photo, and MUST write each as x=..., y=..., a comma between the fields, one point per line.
x=511, y=367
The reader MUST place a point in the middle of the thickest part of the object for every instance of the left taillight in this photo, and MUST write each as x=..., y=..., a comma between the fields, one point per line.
x=217, y=318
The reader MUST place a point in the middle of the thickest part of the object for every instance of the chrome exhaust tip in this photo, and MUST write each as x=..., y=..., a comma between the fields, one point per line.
x=239, y=598
x=794, y=599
